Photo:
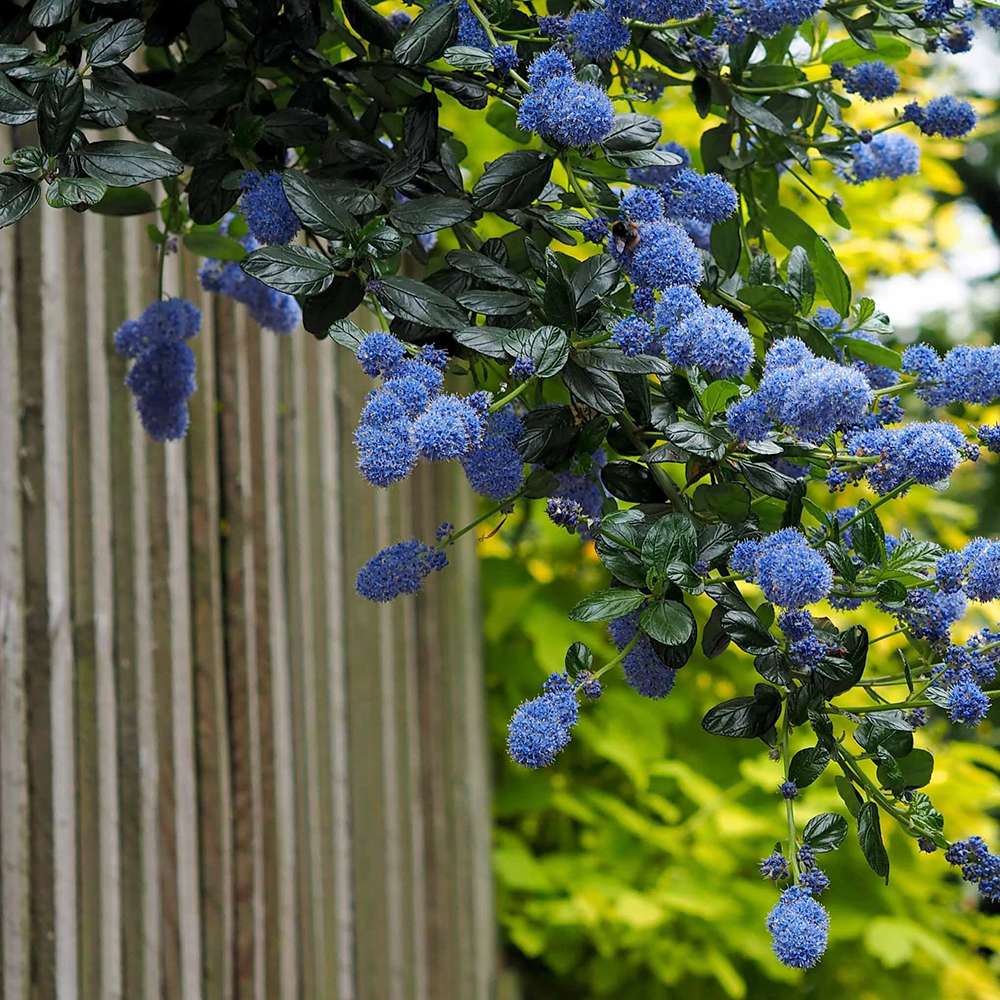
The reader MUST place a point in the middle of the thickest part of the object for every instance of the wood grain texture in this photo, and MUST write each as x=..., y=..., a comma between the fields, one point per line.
x=224, y=775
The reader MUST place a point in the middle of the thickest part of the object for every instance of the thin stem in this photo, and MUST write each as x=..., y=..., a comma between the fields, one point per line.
x=488, y=28
x=513, y=394
x=786, y=760
x=577, y=187
x=889, y=706
x=454, y=536
x=625, y=650
x=162, y=267
x=901, y=488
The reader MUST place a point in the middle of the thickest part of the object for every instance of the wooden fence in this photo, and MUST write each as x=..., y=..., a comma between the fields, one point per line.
x=223, y=773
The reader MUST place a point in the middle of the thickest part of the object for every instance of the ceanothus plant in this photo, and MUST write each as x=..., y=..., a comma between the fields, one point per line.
x=672, y=391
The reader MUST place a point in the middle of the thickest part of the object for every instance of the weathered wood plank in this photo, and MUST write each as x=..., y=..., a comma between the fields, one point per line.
x=215, y=810
x=57, y=555
x=365, y=749
x=281, y=699
x=129, y=793
x=82, y=587
x=14, y=851
x=296, y=433
x=187, y=871
x=338, y=884
x=144, y=484
x=97, y=340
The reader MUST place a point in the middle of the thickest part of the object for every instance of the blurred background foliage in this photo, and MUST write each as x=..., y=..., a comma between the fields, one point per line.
x=629, y=869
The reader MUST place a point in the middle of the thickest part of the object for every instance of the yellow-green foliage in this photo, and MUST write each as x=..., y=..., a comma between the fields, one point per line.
x=628, y=869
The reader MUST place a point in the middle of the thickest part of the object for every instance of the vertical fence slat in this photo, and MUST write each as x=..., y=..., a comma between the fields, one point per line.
x=83, y=586
x=182, y=699
x=104, y=611
x=14, y=853
x=338, y=882
x=57, y=555
x=142, y=487
x=215, y=812
x=281, y=708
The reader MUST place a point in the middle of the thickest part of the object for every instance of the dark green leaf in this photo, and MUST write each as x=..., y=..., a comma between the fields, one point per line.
x=125, y=202
x=825, y=832
x=801, y=280
x=630, y=481
x=59, y=109
x=807, y=765
x=420, y=303
x=745, y=718
x=16, y=108
x=48, y=13
x=745, y=629
x=631, y=132
x=485, y=269
x=671, y=539
x=369, y=24
x=488, y=340
x=727, y=501
x=914, y=771
x=669, y=622
x=116, y=43
x=468, y=57
x=18, y=196
x=125, y=164
x=214, y=244
x=346, y=333
x=579, y=659
x=294, y=270
x=295, y=127
x=427, y=37
x=66, y=192
x=595, y=278
x=870, y=838
x=607, y=604
x=548, y=348
x=771, y=303
x=490, y=302
x=429, y=214
x=315, y=205
x=698, y=440
x=727, y=244
x=596, y=389
x=876, y=354
x=831, y=276
x=514, y=180
x=758, y=115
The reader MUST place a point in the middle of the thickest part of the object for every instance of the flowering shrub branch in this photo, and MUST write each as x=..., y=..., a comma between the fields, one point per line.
x=670, y=391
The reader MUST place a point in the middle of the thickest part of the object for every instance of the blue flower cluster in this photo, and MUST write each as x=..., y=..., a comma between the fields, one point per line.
x=266, y=209
x=410, y=416
x=581, y=485
x=979, y=866
x=774, y=867
x=768, y=17
x=888, y=155
x=791, y=573
x=873, y=81
x=542, y=727
x=799, y=928
x=945, y=116
x=930, y=614
x=965, y=374
x=562, y=110
x=636, y=336
x=925, y=452
x=470, y=29
x=398, y=569
x=495, y=468
x=710, y=338
x=974, y=569
x=162, y=376
x=645, y=671
x=809, y=396
x=599, y=33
